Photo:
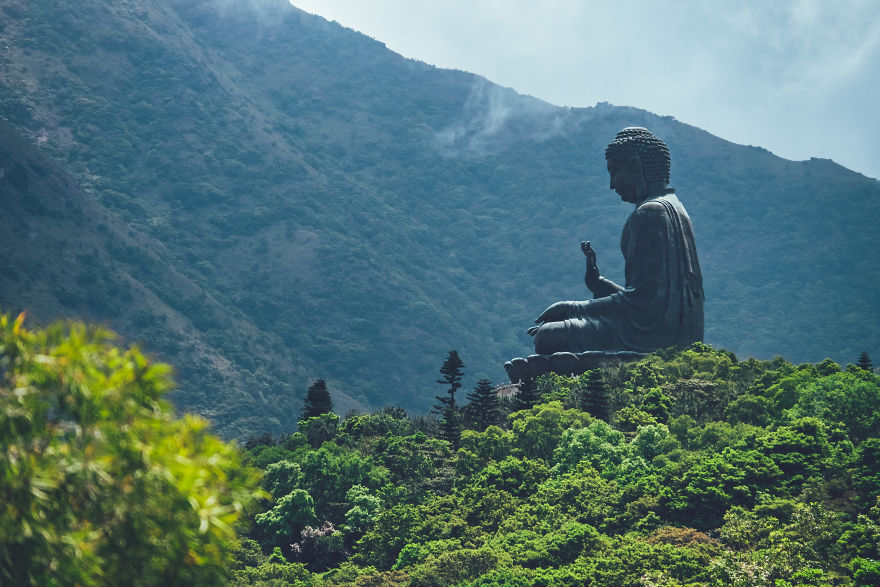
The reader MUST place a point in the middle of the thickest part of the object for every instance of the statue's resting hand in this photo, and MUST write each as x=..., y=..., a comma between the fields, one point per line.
x=555, y=313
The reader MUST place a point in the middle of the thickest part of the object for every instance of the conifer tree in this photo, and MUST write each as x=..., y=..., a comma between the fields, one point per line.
x=452, y=372
x=450, y=419
x=594, y=399
x=865, y=362
x=527, y=396
x=317, y=400
x=483, y=409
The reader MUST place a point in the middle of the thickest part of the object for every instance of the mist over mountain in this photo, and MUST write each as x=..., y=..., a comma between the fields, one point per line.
x=263, y=198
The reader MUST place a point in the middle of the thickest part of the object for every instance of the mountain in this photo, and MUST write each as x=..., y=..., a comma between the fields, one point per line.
x=289, y=199
x=67, y=257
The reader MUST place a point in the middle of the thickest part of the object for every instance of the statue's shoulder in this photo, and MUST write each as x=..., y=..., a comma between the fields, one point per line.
x=651, y=207
x=660, y=205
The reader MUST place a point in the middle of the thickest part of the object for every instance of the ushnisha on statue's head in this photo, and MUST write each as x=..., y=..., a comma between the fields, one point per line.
x=640, y=157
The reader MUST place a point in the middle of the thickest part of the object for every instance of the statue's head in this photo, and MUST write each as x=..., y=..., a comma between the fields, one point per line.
x=642, y=154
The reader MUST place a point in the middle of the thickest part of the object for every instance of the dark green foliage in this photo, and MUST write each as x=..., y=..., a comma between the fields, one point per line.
x=866, y=572
x=366, y=427
x=360, y=518
x=656, y=404
x=537, y=431
x=750, y=409
x=320, y=548
x=848, y=397
x=263, y=456
x=645, y=375
x=517, y=477
x=450, y=415
x=598, y=445
x=801, y=451
x=393, y=529
x=527, y=395
x=452, y=372
x=454, y=566
x=271, y=570
x=630, y=418
x=865, y=363
x=721, y=481
x=281, y=477
x=317, y=401
x=290, y=515
x=827, y=367
x=329, y=472
x=265, y=439
x=317, y=430
x=416, y=463
x=483, y=409
x=867, y=467
x=451, y=425
x=595, y=399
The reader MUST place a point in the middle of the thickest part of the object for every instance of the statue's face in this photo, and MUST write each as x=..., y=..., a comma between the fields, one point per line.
x=625, y=180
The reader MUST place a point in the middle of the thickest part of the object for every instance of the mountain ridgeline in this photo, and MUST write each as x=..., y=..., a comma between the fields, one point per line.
x=263, y=198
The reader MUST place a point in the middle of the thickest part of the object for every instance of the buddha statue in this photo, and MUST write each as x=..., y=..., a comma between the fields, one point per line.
x=661, y=301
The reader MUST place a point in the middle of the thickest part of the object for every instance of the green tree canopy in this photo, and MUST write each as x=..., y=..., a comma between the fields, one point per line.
x=483, y=409
x=317, y=400
x=99, y=481
x=527, y=396
x=865, y=362
x=450, y=418
x=594, y=398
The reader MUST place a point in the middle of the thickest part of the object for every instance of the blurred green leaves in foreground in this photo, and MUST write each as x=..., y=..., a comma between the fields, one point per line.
x=99, y=481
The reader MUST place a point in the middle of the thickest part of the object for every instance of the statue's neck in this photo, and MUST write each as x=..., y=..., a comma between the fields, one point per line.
x=656, y=191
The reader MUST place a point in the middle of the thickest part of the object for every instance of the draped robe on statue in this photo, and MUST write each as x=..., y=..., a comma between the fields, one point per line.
x=662, y=302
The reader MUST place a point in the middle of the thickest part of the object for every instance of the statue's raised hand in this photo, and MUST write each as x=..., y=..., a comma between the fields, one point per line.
x=591, y=278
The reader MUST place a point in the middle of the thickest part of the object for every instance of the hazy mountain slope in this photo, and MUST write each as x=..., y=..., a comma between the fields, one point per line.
x=362, y=213
x=64, y=256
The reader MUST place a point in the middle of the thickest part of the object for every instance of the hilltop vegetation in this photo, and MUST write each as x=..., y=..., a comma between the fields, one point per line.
x=266, y=198
x=709, y=471
x=705, y=470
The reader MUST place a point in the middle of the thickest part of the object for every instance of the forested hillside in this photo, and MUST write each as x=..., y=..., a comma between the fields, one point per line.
x=65, y=254
x=284, y=199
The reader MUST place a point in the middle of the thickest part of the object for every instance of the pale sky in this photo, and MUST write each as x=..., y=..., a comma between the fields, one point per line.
x=798, y=77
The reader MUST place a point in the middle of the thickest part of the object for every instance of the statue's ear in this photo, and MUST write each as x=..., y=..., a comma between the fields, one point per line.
x=635, y=166
x=634, y=163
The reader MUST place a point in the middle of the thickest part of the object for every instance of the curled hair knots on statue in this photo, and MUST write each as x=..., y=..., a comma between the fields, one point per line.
x=635, y=140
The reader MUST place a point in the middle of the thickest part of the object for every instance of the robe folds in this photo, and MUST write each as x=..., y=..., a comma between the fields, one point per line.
x=661, y=304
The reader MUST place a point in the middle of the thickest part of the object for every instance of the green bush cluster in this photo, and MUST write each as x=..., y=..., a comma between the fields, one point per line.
x=99, y=482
